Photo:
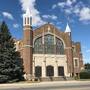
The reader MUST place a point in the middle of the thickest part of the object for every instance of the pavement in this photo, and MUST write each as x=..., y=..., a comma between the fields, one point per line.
x=42, y=84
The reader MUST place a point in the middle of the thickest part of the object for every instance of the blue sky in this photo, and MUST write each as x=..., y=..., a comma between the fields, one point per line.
x=57, y=12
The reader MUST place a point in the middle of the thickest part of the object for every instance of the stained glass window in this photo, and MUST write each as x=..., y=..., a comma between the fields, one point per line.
x=59, y=46
x=49, y=46
x=38, y=46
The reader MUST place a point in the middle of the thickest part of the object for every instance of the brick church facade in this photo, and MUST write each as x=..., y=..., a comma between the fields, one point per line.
x=47, y=52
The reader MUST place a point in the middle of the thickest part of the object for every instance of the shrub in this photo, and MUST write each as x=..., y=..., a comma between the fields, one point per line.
x=85, y=74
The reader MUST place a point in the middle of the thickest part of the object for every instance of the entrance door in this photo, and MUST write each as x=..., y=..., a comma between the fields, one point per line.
x=49, y=71
x=38, y=71
x=60, y=71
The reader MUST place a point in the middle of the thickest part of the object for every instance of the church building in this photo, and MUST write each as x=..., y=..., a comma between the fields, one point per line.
x=48, y=53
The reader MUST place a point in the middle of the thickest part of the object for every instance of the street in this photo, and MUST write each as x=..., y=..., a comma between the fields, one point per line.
x=59, y=85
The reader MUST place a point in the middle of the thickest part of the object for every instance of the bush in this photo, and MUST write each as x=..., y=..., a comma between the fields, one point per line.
x=3, y=78
x=85, y=74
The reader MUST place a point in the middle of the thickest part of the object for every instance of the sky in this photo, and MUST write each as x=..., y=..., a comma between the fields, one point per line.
x=58, y=12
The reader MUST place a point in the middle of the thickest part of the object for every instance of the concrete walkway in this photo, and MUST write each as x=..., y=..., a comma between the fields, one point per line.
x=29, y=84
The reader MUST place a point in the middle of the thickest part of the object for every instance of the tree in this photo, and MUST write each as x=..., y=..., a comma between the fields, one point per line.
x=11, y=65
x=87, y=66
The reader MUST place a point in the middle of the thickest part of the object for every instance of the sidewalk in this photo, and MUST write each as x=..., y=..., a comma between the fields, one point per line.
x=29, y=84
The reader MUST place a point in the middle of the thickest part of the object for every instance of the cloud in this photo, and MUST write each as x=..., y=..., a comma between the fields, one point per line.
x=88, y=51
x=77, y=9
x=53, y=17
x=68, y=3
x=37, y=20
x=68, y=11
x=8, y=15
x=82, y=11
x=61, y=4
x=84, y=14
x=15, y=25
x=54, y=6
x=66, y=6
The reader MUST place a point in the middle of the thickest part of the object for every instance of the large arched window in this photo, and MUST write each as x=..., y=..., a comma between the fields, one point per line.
x=38, y=48
x=49, y=44
x=59, y=46
x=48, y=47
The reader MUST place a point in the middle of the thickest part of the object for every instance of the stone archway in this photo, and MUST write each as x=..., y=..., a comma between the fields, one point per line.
x=38, y=71
x=60, y=71
x=49, y=70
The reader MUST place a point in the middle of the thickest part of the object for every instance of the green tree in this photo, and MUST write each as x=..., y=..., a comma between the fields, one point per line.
x=87, y=66
x=11, y=65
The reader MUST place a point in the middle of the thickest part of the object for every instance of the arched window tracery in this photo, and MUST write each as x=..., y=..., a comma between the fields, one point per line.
x=49, y=44
x=38, y=49
x=59, y=46
x=48, y=47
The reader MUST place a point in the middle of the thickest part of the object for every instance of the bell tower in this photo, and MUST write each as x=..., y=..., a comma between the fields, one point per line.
x=28, y=44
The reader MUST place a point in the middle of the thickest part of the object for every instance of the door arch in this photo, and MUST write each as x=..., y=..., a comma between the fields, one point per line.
x=60, y=71
x=38, y=71
x=49, y=70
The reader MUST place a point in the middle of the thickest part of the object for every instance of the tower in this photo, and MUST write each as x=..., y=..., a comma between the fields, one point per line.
x=68, y=30
x=69, y=52
x=28, y=45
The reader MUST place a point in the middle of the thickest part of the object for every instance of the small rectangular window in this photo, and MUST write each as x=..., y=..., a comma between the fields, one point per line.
x=25, y=20
x=28, y=20
x=76, y=62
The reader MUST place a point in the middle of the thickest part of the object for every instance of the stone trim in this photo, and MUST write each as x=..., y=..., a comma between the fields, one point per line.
x=44, y=61
x=68, y=47
x=28, y=46
x=27, y=28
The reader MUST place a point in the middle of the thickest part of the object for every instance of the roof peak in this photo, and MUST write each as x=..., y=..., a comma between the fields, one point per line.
x=67, y=28
x=28, y=13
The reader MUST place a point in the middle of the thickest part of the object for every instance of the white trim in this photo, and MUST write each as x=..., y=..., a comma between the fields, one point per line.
x=49, y=55
x=68, y=47
x=29, y=28
x=27, y=45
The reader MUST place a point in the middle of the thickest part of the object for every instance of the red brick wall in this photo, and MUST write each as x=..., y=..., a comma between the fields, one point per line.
x=27, y=49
